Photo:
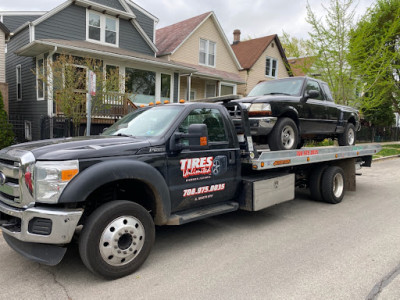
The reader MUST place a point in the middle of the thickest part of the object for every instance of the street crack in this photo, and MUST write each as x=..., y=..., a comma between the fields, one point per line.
x=55, y=280
x=378, y=288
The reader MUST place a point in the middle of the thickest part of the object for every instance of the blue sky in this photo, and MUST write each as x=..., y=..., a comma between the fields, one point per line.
x=254, y=18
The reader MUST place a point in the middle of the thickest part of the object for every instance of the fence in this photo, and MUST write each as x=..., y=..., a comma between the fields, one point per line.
x=378, y=134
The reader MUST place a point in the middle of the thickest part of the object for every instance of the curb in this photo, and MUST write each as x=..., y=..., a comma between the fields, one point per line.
x=386, y=157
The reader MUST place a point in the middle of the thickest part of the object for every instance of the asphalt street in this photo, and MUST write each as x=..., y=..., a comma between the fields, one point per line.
x=297, y=250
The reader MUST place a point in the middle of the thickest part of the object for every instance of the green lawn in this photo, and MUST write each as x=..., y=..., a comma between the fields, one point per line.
x=388, y=150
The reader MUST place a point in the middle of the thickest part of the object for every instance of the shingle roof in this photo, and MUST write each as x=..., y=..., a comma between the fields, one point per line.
x=300, y=65
x=214, y=73
x=170, y=37
x=248, y=52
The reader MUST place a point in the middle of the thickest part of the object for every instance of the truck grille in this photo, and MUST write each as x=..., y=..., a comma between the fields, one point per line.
x=9, y=182
x=13, y=164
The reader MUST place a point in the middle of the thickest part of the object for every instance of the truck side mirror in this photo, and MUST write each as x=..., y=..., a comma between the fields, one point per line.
x=195, y=139
x=310, y=94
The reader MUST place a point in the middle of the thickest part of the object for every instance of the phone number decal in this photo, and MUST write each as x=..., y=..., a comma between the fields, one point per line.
x=204, y=190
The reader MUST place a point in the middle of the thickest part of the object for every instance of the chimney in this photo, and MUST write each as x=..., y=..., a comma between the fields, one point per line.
x=236, y=36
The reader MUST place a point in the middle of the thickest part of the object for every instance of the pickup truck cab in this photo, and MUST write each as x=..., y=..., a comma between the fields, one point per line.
x=161, y=165
x=285, y=112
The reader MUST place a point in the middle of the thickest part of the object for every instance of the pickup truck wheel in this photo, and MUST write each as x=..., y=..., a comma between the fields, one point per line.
x=284, y=135
x=332, y=185
x=116, y=239
x=315, y=183
x=348, y=137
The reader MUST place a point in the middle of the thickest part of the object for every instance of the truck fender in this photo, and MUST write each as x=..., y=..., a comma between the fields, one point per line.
x=92, y=178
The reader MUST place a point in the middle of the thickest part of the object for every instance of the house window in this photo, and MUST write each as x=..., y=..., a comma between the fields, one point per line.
x=227, y=89
x=102, y=28
x=19, y=82
x=142, y=84
x=28, y=130
x=112, y=78
x=211, y=90
x=271, y=67
x=40, y=73
x=193, y=95
x=207, y=53
x=165, y=87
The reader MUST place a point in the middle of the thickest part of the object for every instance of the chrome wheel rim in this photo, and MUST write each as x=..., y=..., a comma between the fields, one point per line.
x=338, y=185
x=350, y=136
x=287, y=137
x=122, y=240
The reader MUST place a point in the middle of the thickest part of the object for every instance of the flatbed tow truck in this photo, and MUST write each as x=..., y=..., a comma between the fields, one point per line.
x=161, y=165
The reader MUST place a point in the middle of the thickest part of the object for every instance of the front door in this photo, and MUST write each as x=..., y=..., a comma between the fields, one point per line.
x=201, y=178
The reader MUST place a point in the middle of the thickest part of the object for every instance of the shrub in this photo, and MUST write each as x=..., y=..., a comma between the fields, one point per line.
x=6, y=132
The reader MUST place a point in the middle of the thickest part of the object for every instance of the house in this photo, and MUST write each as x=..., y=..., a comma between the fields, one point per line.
x=261, y=59
x=119, y=33
x=4, y=35
x=14, y=19
x=201, y=44
x=302, y=66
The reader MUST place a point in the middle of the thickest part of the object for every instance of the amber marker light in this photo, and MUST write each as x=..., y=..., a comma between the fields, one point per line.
x=67, y=175
x=282, y=162
x=358, y=153
x=151, y=104
x=142, y=105
x=255, y=167
x=308, y=159
x=262, y=164
x=181, y=101
x=166, y=102
x=158, y=102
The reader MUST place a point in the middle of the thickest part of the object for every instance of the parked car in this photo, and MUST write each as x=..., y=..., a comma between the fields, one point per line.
x=286, y=112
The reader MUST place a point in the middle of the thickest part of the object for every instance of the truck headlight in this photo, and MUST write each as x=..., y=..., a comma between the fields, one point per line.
x=260, y=109
x=51, y=177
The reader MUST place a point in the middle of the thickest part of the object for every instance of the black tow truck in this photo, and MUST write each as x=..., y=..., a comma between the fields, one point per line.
x=160, y=165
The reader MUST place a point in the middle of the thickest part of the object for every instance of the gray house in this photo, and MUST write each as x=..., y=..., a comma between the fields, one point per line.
x=119, y=33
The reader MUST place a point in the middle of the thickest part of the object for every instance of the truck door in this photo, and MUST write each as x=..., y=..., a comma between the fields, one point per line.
x=200, y=178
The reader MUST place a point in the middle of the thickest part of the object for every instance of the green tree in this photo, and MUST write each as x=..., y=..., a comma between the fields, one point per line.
x=375, y=59
x=6, y=132
x=68, y=75
x=295, y=47
x=329, y=41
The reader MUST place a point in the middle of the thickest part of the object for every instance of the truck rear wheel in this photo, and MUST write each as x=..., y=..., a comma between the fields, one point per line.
x=284, y=135
x=315, y=183
x=116, y=239
x=332, y=185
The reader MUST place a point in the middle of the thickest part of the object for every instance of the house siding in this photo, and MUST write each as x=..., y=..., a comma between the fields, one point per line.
x=28, y=108
x=13, y=22
x=189, y=51
x=2, y=57
x=145, y=22
x=111, y=3
x=130, y=39
x=68, y=24
x=257, y=72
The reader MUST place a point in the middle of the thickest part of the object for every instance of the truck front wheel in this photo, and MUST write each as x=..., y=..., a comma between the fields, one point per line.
x=116, y=239
x=284, y=135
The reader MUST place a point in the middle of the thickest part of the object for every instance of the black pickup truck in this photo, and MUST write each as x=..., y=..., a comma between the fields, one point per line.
x=285, y=112
x=160, y=165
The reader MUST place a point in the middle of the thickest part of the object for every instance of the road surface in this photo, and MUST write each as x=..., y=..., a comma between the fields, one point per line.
x=297, y=250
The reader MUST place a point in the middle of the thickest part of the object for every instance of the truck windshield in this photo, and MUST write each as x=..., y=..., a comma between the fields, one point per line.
x=290, y=87
x=145, y=122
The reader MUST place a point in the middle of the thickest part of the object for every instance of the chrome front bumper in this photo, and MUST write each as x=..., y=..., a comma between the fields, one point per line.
x=63, y=223
x=262, y=125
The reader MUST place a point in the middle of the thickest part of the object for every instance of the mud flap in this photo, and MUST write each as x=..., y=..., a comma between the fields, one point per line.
x=50, y=255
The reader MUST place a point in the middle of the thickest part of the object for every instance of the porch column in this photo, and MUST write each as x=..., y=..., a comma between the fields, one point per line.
x=189, y=85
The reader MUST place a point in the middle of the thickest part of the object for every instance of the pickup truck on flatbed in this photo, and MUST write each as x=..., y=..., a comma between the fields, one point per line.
x=160, y=165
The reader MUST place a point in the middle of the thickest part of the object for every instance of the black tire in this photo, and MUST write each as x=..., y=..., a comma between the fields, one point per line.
x=116, y=239
x=333, y=185
x=301, y=144
x=315, y=183
x=284, y=135
x=348, y=137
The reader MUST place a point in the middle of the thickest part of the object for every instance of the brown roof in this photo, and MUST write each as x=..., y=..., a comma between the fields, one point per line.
x=248, y=52
x=204, y=71
x=300, y=65
x=170, y=37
